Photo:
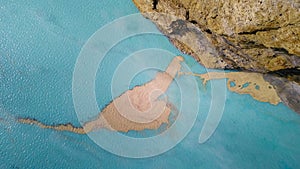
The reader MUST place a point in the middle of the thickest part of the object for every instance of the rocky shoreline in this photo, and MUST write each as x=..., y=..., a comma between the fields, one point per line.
x=251, y=36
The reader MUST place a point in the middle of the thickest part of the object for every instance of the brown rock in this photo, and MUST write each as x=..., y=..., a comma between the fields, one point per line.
x=288, y=91
x=253, y=35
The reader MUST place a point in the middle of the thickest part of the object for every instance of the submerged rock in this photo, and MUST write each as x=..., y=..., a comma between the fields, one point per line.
x=288, y=91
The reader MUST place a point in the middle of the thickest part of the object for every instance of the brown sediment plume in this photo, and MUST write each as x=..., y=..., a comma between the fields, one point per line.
x=59, y=127
x=137, y=109
x=245, y=83
x=142, y=103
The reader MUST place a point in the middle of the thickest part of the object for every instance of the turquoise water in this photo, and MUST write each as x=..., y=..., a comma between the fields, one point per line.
x=40, y=42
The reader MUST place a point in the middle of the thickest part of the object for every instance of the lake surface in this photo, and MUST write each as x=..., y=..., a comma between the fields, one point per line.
x=39, y=46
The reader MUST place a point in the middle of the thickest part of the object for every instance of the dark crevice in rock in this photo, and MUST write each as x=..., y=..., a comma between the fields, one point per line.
x=291, y=74
x=263, y=30
x=259, y=30
x=208, y=31
x=187, y=15
x=214, y=17
x=285, y=72
x=280, y=50
x=155, y=2
x=236, y=68
x=194, y=22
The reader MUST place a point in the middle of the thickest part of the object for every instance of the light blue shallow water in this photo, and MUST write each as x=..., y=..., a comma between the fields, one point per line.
x=40, y=42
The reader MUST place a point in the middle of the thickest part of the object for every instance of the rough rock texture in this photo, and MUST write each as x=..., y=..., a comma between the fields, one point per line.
x=288, y=91
x=253, y=35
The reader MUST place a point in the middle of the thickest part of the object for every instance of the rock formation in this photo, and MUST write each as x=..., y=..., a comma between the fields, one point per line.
x=260, y=36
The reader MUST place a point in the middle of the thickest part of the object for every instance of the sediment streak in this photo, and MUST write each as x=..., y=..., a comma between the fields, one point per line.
x=137, y=109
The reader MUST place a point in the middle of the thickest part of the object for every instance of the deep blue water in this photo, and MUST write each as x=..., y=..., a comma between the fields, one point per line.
x=39, y=45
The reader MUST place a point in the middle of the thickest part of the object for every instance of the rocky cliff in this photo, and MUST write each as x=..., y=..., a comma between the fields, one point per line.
x=250, y=35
